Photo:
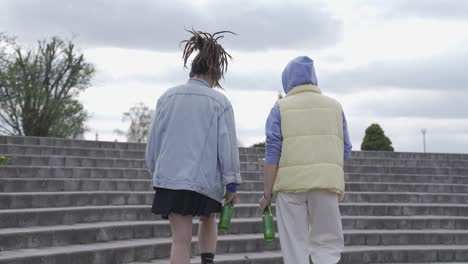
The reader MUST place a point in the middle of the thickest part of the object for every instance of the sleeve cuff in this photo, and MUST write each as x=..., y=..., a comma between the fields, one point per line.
x=231, y=178
x=232, y=187
x=272, y=159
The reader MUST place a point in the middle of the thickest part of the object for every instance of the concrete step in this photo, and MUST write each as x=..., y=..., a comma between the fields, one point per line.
x=38, y=150
x=113, y=173
x=130, y=250
x=404, y=222
x=60, y=142
x=72, y=172
x=407, y=170
x=405, y=187
x=94, y=162
x=12, y=218
x=406, y=197
x=82, y=185
x=253, y=165
x=382, y=177
x=51, y=236
x=408, y=162
x=362, y=169
x=158, y=248
x=405, y=237
x=72, y=185
x=395, y=222
x=247, y=155
x=406, y=254
x=97, y=184
x=249, y=162
x=63, y=161
x=408, y=155
x=18, y=200
x=266, y=257
x=72, y=143
x=61, y=235
x=15, y=218
x=71, y=199
x=400, y=178
x=435, y=254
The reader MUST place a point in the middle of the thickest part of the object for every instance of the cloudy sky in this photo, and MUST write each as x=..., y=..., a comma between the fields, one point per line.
x=402, y=64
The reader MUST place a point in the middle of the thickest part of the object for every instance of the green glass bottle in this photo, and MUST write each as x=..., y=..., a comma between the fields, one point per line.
x=268, y=225
x=225, y=217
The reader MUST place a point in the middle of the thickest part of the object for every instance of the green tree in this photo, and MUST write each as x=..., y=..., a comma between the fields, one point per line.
x=375, y=139
x=140, y=117
x=39, y=88
x=259, y=145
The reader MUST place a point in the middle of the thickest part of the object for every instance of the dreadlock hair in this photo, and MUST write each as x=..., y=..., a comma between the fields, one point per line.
x=211, y=59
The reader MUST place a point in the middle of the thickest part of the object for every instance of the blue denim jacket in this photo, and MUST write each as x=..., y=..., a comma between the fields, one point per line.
x=192, y=143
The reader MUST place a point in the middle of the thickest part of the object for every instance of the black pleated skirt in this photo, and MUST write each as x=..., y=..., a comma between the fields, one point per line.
x=183, y=202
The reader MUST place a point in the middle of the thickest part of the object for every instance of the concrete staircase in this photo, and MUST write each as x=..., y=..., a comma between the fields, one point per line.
x=67, y=201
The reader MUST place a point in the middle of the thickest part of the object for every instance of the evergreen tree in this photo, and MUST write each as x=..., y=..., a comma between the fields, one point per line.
x=375, y=139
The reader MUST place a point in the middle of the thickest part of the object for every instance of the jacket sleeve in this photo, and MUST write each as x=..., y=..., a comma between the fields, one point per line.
x=347, y=143
x=228, y=152
x=274, y=138
x=152, y=147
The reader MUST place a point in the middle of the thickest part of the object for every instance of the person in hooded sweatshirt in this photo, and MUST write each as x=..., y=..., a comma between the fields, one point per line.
x=306, y=144
x=192, y=150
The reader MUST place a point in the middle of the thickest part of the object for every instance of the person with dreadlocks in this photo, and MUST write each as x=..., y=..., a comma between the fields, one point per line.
x=192, y=149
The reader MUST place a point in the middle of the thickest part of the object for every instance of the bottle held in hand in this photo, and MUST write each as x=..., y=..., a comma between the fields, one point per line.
x=268, y=225
x=225, y=217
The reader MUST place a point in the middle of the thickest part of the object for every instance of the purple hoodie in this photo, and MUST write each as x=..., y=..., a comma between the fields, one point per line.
x=299, y=71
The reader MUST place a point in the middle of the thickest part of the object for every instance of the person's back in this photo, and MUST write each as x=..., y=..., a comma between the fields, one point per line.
x=192, y=150
x=311, y=126
x=187, y=125
x=307, y=141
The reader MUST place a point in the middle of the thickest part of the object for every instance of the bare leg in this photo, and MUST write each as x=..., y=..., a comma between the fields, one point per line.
x=181, y=228
x=208, y=234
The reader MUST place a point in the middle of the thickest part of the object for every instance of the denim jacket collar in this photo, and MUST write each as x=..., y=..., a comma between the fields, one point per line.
x=195, y=80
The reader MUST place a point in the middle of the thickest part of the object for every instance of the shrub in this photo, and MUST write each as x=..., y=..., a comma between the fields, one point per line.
x=375, y=139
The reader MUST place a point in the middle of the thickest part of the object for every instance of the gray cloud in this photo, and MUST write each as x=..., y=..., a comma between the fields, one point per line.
x=442, y=72
x=158, y=25
x=415, y=104
x=265, y=81
x=443, y=9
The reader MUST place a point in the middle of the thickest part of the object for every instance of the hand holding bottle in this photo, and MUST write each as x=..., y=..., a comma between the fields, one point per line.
x=231, y=198
x=226, y=214
x=264, y=201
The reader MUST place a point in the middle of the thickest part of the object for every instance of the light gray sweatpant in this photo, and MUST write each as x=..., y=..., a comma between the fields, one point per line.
x=309, y=224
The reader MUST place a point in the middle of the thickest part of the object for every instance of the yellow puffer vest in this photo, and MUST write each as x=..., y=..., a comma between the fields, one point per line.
x=312, y=151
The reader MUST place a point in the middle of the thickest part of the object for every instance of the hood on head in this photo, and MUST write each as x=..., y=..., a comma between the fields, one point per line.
x=299, y=71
